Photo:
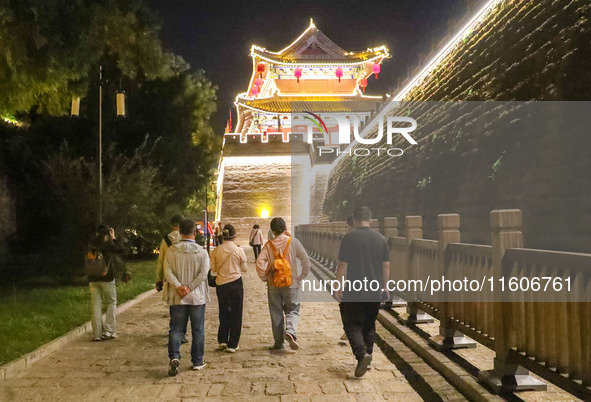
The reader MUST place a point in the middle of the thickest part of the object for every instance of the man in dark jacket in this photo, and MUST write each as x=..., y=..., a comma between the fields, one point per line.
x=103, y=287
x=363, y=258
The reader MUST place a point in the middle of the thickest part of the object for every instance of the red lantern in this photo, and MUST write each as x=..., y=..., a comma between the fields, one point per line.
x=339, y=73
x=363, y=83
x=297, y=73
x=261, y=69
x=376, y=69
x=255, y=90
x=259, y=82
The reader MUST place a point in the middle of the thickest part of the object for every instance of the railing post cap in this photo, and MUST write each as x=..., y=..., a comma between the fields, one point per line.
x=448, y=221
x=414, y=222
x=505, y=219
x=390, y=222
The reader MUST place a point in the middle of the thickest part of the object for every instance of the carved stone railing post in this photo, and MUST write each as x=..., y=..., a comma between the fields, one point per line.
x=507, y=375
x=375, y=225
x=414, y=230
x=390, y=228
x=448, y=226
x=323, y=243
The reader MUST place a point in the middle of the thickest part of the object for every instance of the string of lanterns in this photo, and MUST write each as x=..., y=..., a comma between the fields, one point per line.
x=261, y=68
x=297, y=73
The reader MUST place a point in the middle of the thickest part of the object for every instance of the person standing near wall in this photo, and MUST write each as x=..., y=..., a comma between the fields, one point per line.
x=217, y=233
x=256, y=240
x=228, y=261
x=363, y=256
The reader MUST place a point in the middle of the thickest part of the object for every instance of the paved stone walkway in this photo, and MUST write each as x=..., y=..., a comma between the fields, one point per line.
x=134, y=367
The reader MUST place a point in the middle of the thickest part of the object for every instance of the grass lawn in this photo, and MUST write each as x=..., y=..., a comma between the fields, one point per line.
x=33, y=316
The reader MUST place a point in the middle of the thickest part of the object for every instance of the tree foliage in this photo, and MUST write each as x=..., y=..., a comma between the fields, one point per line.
x=50, y=49
x=132, y=195
x=155, y=159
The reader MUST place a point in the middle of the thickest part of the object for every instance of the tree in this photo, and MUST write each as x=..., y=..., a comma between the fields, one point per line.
x=132, y=196
x=174, y=114
x=50, y=49
x=158, y=155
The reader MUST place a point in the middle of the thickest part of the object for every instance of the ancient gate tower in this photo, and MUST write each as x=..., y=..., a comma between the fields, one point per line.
x=271, y=165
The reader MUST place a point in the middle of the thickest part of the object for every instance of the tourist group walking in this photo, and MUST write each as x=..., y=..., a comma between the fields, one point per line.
x=185, y=272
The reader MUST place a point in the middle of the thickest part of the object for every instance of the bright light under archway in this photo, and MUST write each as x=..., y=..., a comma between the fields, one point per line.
x=264, y=213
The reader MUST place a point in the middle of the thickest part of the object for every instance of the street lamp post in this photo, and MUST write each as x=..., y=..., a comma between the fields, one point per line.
x=100, y=146
x=206, y=219
x=75, y=111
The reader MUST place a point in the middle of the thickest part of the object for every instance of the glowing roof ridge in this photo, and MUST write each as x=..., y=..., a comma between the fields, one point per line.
x=382, y=48
x=446, y=50
x=311, y=26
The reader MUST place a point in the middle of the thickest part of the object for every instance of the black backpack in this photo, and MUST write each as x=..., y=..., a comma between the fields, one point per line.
x=95, y=263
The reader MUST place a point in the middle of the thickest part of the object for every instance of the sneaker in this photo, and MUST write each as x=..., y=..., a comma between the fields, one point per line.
x=98, y=339
x=199, y=366
x=292, y=342
x=362, y=365
x=276, y=347
x=184, y=340
x=174, y=367
x=109, y=335
x=222, y=346
x=232, y=350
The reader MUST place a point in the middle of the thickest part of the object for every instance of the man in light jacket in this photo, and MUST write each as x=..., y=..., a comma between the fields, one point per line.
x=168, y=240
x=185, y=267
x=284, y=302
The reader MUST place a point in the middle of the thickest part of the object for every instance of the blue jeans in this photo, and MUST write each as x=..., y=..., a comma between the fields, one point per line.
x=179, y=315
x=284, y=307
x=100, y=291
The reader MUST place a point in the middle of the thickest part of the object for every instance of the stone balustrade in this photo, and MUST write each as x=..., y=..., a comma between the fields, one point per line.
x=528, y=330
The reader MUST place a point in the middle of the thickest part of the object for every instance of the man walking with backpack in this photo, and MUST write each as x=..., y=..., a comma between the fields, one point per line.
x=277, y=265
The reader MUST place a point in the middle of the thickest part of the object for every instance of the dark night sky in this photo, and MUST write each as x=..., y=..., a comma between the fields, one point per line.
x=216, y=35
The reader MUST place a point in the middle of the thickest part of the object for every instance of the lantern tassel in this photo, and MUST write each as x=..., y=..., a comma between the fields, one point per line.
x=339, y=79
x=298, y=78
x=376, y=76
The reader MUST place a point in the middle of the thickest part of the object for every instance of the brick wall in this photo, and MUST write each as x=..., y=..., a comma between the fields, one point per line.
x=523, y=50
x=278, y=183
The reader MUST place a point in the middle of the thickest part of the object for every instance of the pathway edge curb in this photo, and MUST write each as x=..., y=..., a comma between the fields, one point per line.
x=460, y=379
x=17, y=367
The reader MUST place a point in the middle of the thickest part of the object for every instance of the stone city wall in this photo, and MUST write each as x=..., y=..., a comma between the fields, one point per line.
x=524, y=50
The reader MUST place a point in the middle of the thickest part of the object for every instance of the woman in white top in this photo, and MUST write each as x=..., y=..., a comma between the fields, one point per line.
x=228, y=261
x=256, y=240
